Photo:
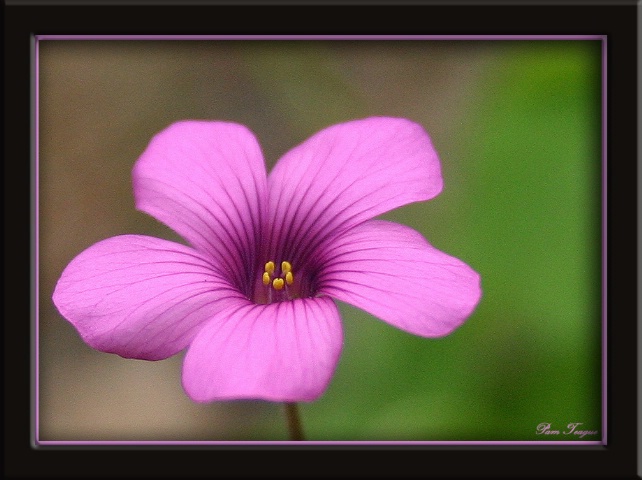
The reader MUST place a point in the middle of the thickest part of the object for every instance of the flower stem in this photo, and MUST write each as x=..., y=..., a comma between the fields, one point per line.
x=294, y=422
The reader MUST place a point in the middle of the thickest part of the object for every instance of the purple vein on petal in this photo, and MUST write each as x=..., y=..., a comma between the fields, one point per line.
x=310, y=223
x=235, y=236
x=392, y=272
x=208, y=179
x=297, y=197
x=146, y=278
x=143, y=303
x=173, y=303
x=190, y=225
x=266, y=352
x=228, y=256
x=124, y=292
x=291, y=217
x=242, y=219
x=336, y=230
x=313, y=220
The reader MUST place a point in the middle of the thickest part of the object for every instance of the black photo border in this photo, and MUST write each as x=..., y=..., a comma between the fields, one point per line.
x=617, y=20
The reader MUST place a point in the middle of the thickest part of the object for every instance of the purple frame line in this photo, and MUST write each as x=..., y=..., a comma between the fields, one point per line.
x=35, y=405
x=36, y=243
x=604, y=239
x=328, y=442
x=320, y=37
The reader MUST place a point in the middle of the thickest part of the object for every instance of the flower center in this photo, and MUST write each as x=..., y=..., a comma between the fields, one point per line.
x=278, y=281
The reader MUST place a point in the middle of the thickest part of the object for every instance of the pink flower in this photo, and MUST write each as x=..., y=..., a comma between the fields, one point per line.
x=253, y=297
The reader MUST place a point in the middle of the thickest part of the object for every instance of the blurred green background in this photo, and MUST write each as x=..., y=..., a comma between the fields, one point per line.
x=517, y=125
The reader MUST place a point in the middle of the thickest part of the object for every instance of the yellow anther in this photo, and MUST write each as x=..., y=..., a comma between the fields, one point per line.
x=286, y=267
x=266, y=278
x=277, y=283
x=289, y=278
x=269, y=267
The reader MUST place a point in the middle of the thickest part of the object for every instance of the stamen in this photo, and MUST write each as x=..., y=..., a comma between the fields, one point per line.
x=277, y=283
x=278, y=279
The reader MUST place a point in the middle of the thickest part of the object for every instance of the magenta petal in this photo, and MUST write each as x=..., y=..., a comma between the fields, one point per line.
x=140, y=297
x=390, y=271
x=346, y=174
x=283, y=351
x=207, y=181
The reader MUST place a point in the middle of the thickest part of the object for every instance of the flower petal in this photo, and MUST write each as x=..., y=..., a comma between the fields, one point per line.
x=344, y=175
x=207, y=181
x=140, y=297
x=390, y=271
x=284, y=351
